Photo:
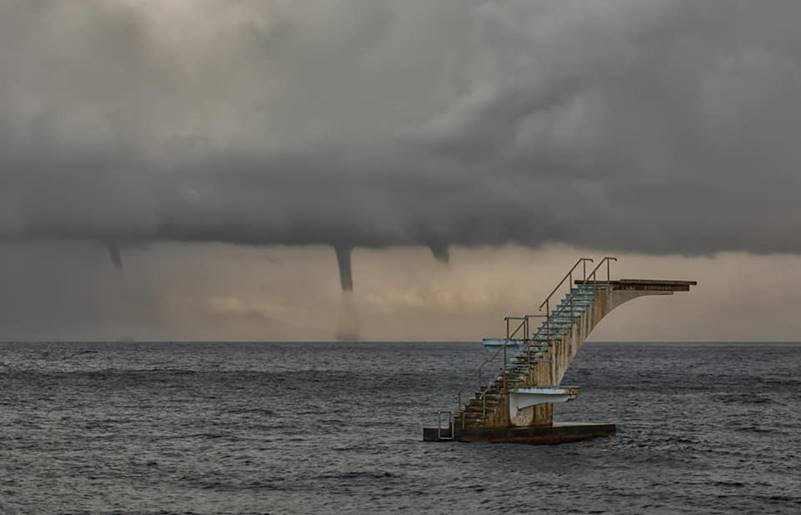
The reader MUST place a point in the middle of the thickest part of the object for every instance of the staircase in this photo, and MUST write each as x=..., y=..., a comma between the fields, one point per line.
x=524, y=353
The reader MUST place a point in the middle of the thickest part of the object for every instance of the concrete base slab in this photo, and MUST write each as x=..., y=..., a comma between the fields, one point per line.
x=560, y=432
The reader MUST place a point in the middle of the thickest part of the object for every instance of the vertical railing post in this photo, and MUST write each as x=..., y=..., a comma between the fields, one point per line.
x=548, y=321
x=526, y=341
x=453, y=425
x=503, y=371
x=571, y=306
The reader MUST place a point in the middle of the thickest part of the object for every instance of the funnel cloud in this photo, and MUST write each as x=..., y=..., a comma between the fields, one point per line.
x=344, y=265
x=441, y=253
x=114, y=253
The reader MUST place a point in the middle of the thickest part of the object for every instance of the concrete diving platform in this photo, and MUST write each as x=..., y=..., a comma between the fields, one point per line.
x=559, y=432
x=520, y=376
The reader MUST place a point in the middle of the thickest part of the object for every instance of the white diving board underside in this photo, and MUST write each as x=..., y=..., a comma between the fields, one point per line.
x=522, y=398
x=500, y=342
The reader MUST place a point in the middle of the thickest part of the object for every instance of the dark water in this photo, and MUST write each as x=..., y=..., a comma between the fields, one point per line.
x=323, y=428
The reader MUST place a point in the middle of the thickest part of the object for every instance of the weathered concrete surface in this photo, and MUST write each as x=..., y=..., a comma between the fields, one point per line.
x=562, y=432
x=550, y=370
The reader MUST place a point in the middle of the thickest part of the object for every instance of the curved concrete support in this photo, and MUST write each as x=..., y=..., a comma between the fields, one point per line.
x=609, y=295
x=551, y=367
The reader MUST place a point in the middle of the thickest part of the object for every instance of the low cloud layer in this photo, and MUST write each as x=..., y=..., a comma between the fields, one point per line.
x=650, y=126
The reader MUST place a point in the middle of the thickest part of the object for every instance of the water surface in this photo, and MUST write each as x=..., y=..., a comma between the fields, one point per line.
x=335, y=427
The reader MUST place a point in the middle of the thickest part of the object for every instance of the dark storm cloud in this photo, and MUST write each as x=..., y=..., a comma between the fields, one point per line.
x=656, y=126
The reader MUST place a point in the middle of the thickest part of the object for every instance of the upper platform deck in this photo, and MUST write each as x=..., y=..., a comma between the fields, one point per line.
x=645, y=284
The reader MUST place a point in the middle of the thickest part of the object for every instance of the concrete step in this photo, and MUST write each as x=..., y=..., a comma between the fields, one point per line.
x=583, y=302
x=468, y=421
x=555, y=333
x=578, y=300
x=473, y=410
x=532, y=353
x=498, y=390
x=479, y=405
x=478, y=412
x=478, y=401
x=577, y=303
x=511, y=380
x=523, y=356
x=515, y=376
x=527, y=366
x=563, y=312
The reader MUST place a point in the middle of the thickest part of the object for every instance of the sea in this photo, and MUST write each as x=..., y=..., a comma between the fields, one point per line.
x=336, y=428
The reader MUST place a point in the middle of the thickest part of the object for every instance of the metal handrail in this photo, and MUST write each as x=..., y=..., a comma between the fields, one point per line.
x=607, y=260
x=527, y=341
x=481, y=367
x=558, y=311
x=450, y=425
x=569, y=274
x=522, y=325
x=510, y=336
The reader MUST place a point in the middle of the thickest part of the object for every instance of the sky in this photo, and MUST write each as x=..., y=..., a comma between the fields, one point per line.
x=193, y=169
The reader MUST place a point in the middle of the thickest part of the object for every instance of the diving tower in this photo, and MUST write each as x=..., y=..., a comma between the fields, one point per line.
x=517, y=404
